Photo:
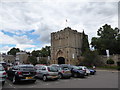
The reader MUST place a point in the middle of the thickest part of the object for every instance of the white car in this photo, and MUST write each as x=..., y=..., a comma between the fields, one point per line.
x=3, y=75
x=84, y=68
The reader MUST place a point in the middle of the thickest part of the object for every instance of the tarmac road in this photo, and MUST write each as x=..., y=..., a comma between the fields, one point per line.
x=102, y=79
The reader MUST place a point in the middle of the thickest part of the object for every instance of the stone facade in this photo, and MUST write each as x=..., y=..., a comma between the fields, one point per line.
x=22, y=57
x=104, y=58
x=9, y=58
x=66, y=46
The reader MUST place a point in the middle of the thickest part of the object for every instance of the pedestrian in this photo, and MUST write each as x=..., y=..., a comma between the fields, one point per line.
x=94, y=67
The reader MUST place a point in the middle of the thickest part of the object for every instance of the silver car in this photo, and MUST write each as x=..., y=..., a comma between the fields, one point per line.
x=47, y=72
x=3, y=75
x=63, y=72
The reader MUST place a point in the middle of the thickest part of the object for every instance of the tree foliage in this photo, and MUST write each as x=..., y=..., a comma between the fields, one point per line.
x=91, y=58
x=32, y=60
x=13, y=51
x=85, y=43
x=110, y=61
x=44, y=52
x=109, y=38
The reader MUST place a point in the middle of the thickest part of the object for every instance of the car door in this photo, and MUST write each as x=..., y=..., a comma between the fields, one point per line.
x=15, y=68
x=43, y=71
x=40, y=71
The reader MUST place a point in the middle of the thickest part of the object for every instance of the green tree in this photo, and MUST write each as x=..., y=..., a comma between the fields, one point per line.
x=36, y=53
x=44, y=52
x=32, y=59
x=43, y=61
x=91, y=58
x=13, y=51
x=85, y=43
x=108, y=39
x=110, y=61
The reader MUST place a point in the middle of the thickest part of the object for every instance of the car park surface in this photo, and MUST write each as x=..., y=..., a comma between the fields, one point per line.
x=102, y=79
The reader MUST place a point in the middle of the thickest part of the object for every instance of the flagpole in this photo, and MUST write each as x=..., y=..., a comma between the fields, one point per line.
x=66, y=23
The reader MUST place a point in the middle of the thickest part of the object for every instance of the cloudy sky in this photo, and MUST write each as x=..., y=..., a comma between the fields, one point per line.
x=27, y=24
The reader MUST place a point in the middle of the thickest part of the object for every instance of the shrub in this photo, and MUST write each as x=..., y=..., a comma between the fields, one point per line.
x=110, y=61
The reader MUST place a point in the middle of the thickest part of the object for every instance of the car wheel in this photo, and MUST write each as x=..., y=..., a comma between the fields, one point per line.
x=33, y=81
x=44, y=78
x=69, y=77
x=60, y=76
x=75, y=75
x=14, y=81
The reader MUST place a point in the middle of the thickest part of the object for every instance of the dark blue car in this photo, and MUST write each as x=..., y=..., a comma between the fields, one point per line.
x=77, y=72
x=92, y=71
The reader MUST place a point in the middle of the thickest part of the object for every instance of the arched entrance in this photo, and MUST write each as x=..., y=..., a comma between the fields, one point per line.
x=61, y=60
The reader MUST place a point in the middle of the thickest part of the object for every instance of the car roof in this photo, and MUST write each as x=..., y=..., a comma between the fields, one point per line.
x=25, y=65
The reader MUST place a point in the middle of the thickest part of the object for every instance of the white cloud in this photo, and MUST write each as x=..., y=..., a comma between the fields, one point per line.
x=5, y=49
x=48, y=16
x=5, y=39
x=22, y=39
x=24, y=46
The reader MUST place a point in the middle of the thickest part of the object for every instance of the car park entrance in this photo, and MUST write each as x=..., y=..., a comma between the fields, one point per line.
x=61, y=60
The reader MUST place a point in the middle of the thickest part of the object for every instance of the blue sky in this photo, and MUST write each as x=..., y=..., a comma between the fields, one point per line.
x=28, y=24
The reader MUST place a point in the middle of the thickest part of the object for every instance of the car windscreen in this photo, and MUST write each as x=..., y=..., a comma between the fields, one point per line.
x=52, y=69
x=65, y=68
x=1, y=68
x=57, y=67
x=4, y=65
x=75, y=67
x=27, y=68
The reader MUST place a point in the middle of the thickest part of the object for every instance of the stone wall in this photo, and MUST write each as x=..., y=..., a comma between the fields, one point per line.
x=9, y=58
x=66, y=43
x=116, y=58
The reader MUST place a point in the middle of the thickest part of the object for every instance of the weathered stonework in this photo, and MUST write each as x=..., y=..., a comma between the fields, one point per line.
x=66, y=46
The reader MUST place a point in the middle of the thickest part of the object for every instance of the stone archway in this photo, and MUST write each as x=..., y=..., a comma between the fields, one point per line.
x=61, y=60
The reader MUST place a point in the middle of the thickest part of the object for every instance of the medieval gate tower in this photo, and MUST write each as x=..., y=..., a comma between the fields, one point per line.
x=66, y=46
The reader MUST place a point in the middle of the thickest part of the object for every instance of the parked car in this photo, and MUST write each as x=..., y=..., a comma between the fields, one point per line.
x=37, y=66
x=24, y=72
x=77, y=72
x=63, y=72
x=4, y=64
x=84, y=68
x=55, y=65
x=47, y=72
x=67, y=65
x=3, y=75
x=92, y=71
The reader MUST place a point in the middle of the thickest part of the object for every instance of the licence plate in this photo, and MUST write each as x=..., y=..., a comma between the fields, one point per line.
x=67, y=72
x=28, y=77
x=54, y=76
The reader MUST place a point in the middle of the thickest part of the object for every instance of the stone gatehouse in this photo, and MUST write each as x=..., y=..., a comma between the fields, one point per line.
x=66, y=46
